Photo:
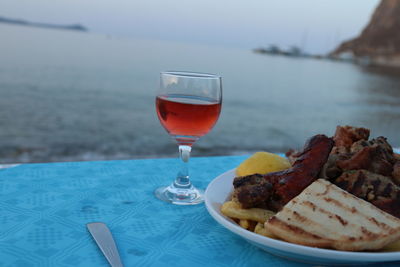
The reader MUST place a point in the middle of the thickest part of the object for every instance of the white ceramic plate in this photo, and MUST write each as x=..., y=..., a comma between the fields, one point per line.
x=218, y=192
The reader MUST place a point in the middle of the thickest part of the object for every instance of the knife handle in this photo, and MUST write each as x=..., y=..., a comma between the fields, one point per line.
x=102, y=235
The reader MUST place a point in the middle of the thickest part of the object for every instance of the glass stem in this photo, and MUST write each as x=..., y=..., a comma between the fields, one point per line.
x=182, y=180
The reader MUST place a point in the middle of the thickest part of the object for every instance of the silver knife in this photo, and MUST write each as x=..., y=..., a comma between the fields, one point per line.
x=105, y=241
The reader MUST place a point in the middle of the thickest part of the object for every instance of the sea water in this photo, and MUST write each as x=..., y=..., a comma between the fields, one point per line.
x=68, y=95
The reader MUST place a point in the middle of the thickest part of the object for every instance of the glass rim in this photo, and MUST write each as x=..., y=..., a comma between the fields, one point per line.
x=191, y=74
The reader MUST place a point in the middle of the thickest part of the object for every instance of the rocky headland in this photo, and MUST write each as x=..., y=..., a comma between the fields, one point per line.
x=379, y=42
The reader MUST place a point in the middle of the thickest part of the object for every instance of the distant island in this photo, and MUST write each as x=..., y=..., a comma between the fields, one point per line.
x=73, y=27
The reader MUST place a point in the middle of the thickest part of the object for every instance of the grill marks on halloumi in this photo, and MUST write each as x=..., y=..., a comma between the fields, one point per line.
x=325, y=216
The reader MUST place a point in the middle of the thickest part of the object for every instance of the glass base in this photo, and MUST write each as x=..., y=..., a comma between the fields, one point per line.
x=180, y=196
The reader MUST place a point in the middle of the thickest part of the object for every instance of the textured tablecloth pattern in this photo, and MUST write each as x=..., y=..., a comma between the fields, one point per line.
x=44, y=209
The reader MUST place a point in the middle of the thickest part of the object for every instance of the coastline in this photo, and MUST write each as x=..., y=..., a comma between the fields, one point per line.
x=22, y=22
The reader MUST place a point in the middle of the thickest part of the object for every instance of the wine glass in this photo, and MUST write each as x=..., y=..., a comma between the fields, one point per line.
x=188, y=105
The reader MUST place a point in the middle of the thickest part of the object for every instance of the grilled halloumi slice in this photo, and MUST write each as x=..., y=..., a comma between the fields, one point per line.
x=326, y=216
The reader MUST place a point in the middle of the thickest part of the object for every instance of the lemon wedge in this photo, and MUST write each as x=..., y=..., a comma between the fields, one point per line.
x=262, y=162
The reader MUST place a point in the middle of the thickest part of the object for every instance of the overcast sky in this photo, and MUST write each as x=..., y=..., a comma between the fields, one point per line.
x=315, y=25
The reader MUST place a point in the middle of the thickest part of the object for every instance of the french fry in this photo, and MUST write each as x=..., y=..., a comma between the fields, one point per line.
x=247, y=224
x=233, y=209
x=244, y=224
x=261, y=230
x=252, y=225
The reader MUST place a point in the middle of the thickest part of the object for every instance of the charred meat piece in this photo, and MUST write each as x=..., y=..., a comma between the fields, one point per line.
x=396, y=173
x=367, y=185
x=289, y=183
x=371, y=158
x=391, y=206
x=248, y=180
x=275, y=189
x=377, y=189
x=330, y=170
x=360, y=160
x=252, y=189
x=379, y=141
x=345, y=136
x=375, y=155
x=367, y=169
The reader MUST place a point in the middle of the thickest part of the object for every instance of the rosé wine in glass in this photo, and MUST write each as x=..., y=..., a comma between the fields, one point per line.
x=187, y=116
x=188, y=106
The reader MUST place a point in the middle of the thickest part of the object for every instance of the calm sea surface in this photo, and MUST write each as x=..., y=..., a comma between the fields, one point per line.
x=76, y=96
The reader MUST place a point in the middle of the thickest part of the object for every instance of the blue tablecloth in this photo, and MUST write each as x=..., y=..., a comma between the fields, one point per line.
x=44, y=209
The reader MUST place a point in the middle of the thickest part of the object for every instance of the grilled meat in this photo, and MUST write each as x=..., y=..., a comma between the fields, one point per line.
x=375, y=155
x=275, y=189
x=289, y=183
x=373, y=158
x=379, y=141
x=377, y=189
x=396, y=173
x=345, y=136
x=368, y=169
x=252, y=189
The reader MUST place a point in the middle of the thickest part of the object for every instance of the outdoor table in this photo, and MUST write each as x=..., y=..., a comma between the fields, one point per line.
x=44, y=209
